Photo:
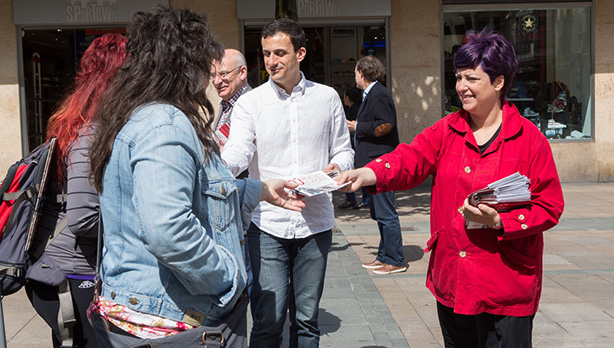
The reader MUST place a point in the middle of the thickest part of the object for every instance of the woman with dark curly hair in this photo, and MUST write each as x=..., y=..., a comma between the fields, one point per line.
x=173, y=214
x=73, y=251
x=485, y=266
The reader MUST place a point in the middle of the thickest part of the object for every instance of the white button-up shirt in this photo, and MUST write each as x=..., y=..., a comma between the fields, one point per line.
x=276, y=135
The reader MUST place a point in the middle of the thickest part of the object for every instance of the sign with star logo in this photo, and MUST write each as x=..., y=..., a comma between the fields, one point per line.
x=528, y=23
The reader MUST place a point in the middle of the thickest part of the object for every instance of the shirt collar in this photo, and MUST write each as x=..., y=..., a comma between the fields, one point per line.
x=227, y=104
x=512, y=121
x=299, y=88
x=364, y=94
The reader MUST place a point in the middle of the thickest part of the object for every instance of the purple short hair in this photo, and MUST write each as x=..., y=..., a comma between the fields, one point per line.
x=492, y=52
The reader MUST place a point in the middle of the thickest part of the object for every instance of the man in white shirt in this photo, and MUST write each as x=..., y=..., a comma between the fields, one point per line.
x=287, y=127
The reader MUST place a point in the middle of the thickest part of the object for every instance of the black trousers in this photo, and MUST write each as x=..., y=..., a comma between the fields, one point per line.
x=44, y=299
x=484, y=330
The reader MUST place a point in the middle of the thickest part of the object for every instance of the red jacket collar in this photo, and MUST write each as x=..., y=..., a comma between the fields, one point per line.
x=512, y=121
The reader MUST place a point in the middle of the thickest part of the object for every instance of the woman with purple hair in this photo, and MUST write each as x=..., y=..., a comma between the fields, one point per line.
x=485, y=266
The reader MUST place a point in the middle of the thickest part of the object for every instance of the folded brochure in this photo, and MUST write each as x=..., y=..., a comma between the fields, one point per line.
x=316, y=183
x=503, y=195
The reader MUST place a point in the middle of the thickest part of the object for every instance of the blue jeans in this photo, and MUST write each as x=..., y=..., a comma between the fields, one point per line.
x=366, y=196
x=288, y=273
x=248, y=268
x=350, y=197
x=382, y=210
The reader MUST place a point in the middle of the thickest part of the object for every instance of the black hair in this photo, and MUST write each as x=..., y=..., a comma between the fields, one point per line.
x=354, y=94
x=288, y=27
x=170, y=53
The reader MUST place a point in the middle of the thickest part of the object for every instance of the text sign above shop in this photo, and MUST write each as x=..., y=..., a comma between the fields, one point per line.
x=265, y=9
x=71, y=12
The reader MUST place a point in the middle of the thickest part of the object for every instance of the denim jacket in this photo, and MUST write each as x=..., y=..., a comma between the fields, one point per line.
x=173, y=221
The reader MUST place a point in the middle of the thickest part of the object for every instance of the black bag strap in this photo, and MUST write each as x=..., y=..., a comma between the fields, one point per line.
x=97, y=284
x=56, y=232
x=19, y=197
x=8, y=180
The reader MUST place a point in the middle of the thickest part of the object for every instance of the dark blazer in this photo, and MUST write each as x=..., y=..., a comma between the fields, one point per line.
x=376, y=109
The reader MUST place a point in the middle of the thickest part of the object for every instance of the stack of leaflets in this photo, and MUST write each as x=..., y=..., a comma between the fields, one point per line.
x=222, y=134
x=316, y=183
x=504, y=194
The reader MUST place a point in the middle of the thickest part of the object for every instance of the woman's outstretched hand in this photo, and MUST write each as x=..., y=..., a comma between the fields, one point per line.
x=273, y=191
x=357, y=178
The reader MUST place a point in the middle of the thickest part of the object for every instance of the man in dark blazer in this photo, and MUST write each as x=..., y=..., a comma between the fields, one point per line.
x=376, y=134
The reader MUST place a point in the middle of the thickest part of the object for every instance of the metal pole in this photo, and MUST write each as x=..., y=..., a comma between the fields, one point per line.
x=2, y=331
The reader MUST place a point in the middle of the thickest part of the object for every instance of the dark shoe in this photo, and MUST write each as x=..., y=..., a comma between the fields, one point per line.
x=361, y=205
x=389, y=269
x=346, y=205
x=373, y=265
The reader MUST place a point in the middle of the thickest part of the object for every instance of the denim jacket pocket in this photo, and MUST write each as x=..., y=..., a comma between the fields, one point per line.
x=217, y=196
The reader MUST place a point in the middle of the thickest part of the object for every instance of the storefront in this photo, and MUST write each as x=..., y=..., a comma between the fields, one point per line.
x=338, y=34
x=54, y=35
x=553, y=45
x=565, y=81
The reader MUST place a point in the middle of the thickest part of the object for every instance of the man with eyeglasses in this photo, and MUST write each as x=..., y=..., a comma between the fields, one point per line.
x=230, y=81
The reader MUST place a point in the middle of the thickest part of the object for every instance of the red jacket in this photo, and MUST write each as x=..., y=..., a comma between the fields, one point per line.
x=476, y=271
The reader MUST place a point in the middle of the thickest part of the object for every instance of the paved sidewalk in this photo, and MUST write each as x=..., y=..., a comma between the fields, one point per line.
x=360, y=309
x=577, y=304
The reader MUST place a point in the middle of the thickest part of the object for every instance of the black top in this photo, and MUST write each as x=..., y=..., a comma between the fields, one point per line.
x=485, y=146
x=352, y=111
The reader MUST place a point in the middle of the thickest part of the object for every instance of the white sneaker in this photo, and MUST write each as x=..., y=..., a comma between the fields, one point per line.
x=552, y=124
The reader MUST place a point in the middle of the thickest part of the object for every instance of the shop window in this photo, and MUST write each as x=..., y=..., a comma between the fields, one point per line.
x=332, y=53
x=50, y=58
x=348, y=45
x=552, y=86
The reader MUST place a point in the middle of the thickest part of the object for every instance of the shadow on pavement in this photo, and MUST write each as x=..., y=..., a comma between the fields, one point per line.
x=413, y=253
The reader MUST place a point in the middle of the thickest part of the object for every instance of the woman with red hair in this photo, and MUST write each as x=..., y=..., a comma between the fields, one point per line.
x=68, y=263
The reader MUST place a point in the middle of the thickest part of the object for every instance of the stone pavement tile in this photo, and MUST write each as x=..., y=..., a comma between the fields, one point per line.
x=337, y=289
x=592, y=333
x=609, y=277
x=23, y=327
x=436, y=332
x=604, y=249
x=408, y=319
x=558, y=241
x=553, y=292
x=335, y=312
x=418, y=335
x=551, y=259
x=350, y=335
x=420, y=299
x=574, y=313
x=588, y=259
x=552, y=335
x=590, y=287
x=400, y=342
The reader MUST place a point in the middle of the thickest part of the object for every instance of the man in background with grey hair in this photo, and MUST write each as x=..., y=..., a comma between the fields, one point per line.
x=230, y=81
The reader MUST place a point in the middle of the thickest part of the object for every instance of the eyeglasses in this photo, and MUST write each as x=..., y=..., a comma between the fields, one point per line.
x=224, y=74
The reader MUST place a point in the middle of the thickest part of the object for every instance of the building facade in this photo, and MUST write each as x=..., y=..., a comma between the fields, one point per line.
x=565, y=49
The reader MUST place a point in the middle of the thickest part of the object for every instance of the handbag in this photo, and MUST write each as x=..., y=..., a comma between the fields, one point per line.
x=232, y=333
